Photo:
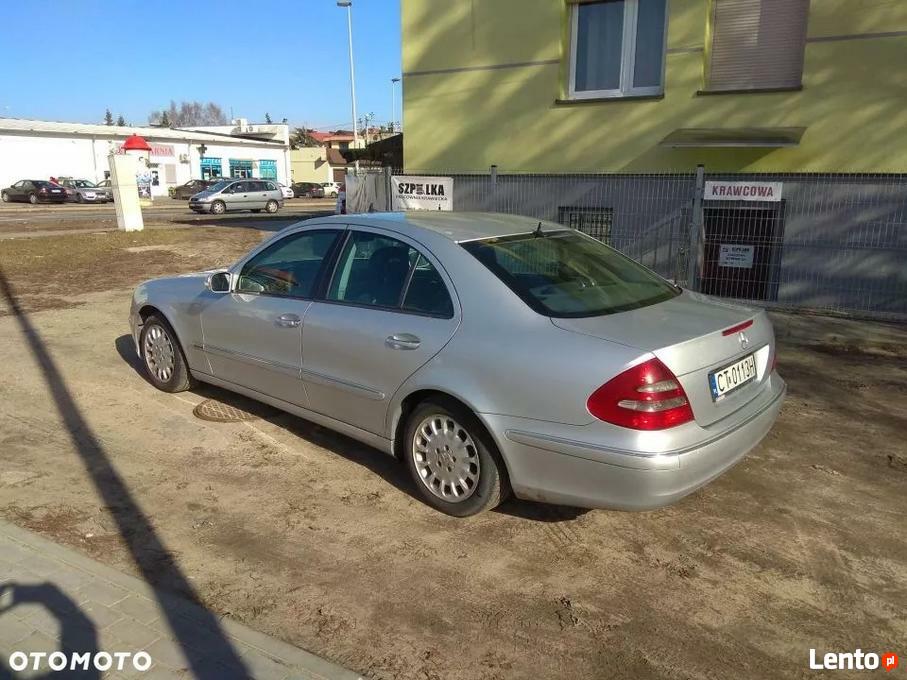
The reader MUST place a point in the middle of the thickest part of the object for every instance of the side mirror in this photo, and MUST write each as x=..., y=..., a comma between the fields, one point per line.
x=218, y=282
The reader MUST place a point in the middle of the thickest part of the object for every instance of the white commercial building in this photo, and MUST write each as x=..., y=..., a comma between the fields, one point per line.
x=34, y=149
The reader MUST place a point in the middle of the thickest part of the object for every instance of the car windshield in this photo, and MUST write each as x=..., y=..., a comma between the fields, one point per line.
x=84, y=184
x=568, y=274
x=219, y=186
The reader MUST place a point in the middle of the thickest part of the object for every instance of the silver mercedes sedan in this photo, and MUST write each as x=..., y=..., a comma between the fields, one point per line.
x=492, y=354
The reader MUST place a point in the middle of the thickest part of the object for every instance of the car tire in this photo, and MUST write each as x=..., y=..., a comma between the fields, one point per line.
x=431, y=428
x=79, y=198
x=272, y=206
x=4, y=197
x=162, y=356
x=333, y=194
x=33, y=199
x=218, y=207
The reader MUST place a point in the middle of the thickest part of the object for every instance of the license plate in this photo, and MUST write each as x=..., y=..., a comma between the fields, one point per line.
x=726, y=380
x=55, y=191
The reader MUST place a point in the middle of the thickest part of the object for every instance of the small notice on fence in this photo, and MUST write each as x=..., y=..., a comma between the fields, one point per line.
x=738, y=257
x=743, y=191
x=422, y=193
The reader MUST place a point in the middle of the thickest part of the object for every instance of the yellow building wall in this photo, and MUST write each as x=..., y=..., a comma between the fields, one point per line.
x=308, y=165
x=853, y=103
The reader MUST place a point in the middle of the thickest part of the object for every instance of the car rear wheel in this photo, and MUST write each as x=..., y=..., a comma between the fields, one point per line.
x=163, y=357
x=32, y=198
x=218, y=207
x=272, y=206
x=452, y=459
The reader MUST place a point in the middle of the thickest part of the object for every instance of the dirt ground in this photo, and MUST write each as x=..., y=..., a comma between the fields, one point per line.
x=307, y=535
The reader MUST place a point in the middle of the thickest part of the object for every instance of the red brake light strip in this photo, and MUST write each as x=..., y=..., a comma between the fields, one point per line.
x=736, y=329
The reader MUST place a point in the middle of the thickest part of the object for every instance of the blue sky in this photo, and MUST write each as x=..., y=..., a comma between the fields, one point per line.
x=69, y=61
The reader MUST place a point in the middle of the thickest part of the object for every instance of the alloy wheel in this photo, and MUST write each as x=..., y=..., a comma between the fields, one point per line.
x=446, y=458
x=159, y=353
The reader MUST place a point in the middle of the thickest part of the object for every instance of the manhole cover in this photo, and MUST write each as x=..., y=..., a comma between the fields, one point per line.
x=219, y=412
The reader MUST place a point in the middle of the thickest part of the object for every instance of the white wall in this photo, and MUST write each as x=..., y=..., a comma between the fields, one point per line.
x=85, y=157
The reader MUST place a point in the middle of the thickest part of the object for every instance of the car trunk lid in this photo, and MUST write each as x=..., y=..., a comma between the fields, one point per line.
x=693, y=336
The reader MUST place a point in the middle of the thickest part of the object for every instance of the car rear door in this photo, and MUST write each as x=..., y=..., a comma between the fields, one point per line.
x=252, y=336
x=386, y=312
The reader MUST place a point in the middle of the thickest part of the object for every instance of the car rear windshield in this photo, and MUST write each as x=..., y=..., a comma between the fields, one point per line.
x=567, y=274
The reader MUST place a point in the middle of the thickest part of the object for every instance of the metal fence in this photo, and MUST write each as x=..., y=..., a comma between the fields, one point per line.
x=832, y=243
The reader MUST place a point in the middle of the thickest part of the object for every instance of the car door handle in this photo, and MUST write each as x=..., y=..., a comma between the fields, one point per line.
x=403, y=341
x=288, y=321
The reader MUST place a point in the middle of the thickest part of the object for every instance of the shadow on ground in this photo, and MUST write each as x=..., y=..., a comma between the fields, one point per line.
x=373, y=460
x=154, y=561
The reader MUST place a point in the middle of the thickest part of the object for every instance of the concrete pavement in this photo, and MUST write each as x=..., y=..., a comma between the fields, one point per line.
x=53, y=599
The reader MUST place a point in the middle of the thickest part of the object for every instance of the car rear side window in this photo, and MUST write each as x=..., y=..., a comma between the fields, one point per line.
x=566, y=274
x=291, y=267
x=379, y=271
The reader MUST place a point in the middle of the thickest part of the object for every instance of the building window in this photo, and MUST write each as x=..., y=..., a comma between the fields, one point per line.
x=757, y=44
x=240, y=168
x=617, y=48
x=267, y=169
x=211, y=167
x=594, y=222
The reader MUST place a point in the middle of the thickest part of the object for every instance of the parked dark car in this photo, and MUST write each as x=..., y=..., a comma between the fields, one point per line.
x=307, y=190
x=34, y=191
x=190, y=188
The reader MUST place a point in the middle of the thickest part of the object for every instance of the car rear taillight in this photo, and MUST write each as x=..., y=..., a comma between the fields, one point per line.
x=644, y=397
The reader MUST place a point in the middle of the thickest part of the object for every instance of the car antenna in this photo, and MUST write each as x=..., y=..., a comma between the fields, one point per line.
x=538, y=231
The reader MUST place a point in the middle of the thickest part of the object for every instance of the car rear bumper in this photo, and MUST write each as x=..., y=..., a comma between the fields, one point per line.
x=552, y=468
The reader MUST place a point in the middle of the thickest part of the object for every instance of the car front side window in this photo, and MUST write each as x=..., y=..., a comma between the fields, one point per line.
x=290, y=267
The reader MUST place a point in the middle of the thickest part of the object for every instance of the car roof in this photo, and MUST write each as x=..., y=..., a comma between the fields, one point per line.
x=457, y=226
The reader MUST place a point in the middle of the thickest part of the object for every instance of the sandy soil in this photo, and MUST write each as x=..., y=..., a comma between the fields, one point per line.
x=317, y=539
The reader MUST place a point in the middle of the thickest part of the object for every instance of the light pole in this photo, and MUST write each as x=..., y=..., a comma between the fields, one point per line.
x=349, y=22
x=394, y=82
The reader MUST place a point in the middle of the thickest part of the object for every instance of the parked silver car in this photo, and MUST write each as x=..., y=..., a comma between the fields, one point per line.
x=238, y=194
x=84, y=191
x=491, y=353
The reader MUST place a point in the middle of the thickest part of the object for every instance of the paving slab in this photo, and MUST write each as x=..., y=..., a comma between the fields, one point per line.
x=53, y=598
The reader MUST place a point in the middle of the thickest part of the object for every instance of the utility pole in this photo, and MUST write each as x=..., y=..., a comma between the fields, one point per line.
x=394, y=82
x=349, y=22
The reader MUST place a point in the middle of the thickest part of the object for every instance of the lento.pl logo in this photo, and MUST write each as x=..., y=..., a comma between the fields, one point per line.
x=75, y=661
x=856, y=660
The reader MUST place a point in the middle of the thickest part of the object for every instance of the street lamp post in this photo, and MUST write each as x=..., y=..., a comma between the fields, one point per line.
x=394, y=82
x=349, y=22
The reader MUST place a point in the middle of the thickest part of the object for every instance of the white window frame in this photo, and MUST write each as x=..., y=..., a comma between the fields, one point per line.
x=628, y=57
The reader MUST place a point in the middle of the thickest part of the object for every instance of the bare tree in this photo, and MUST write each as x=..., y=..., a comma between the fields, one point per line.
x=302, y=136
x=187, y=114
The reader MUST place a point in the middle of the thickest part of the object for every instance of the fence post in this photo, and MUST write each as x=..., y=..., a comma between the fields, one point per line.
x=697, y=238
x=388, y=187
x=493, y=178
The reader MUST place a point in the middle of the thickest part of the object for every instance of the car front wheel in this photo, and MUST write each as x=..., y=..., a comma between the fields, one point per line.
x=163, y=357
x=272, y=206
x=452, y=459
x=218, y=207
x=4, y=197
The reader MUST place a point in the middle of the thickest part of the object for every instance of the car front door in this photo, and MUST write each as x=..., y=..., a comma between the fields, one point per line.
x=16, y=192
x=387, y=311
x=252, y=336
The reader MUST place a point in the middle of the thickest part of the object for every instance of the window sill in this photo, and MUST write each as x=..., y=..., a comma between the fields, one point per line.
x=600, y=100
x=751, y=90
